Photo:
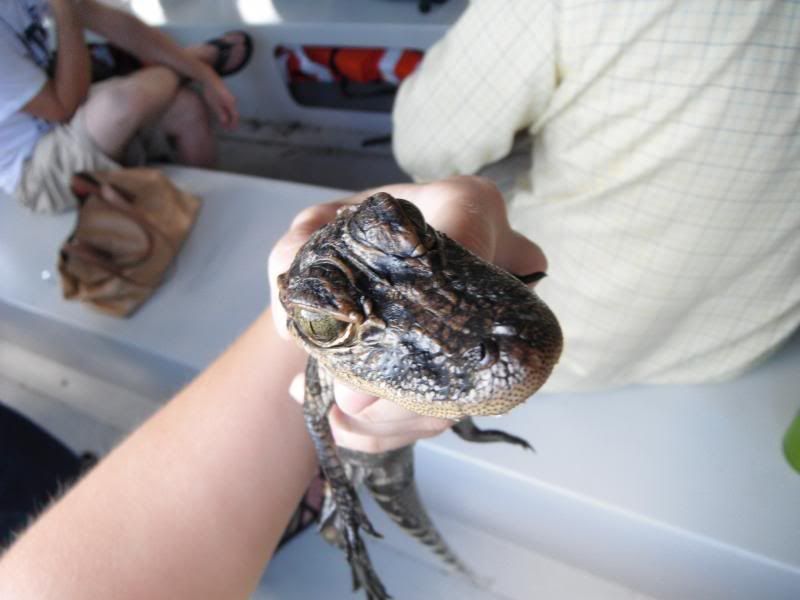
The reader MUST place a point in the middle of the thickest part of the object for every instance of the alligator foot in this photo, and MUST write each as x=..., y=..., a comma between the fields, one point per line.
x=343, y=514
x=467, y=430
x=363, y=573
x=340, y=527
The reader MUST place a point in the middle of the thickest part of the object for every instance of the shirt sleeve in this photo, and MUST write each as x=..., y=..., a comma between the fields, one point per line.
x=22, y=79
x=491, y=75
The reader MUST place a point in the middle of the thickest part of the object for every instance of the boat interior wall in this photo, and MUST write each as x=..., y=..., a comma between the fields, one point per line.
x=351, y=23
x=279, y=136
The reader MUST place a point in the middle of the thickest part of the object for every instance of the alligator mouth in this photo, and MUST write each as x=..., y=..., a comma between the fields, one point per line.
x=490, y=403
x=450, y=409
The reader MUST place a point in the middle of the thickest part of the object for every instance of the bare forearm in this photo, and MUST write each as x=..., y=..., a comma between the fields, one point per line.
x=152, y=46
x=147, y=43
x=72, y=74
x=193, y=503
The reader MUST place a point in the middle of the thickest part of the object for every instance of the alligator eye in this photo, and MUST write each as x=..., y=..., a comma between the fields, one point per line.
x=319, y=327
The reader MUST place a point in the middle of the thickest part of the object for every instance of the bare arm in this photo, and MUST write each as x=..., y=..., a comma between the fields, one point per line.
x=146, y=43
x=150, y=45
x=193, y=503
x=61, y=95
x=491, y=75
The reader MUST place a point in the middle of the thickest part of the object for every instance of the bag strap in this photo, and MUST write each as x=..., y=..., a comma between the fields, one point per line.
x=95, y=189
x=89, y=254
x=146, y=223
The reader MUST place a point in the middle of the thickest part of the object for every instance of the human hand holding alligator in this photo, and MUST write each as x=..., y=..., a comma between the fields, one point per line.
x=382, y=300
x=471, y=211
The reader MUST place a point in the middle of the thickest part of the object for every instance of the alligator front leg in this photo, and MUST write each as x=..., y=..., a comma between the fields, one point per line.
x=467, y=430
x=344, y=508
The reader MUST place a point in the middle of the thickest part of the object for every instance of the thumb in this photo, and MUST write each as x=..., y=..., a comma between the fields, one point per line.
x=518, y=255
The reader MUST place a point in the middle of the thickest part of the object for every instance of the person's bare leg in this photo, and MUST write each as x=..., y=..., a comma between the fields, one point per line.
x=187, y=122
x=121, y=106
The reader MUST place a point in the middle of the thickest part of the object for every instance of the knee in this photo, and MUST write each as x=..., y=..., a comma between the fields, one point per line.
x=126, y=101
x=189, y=108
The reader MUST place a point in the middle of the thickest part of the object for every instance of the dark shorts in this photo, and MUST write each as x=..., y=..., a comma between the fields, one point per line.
x=34, y=466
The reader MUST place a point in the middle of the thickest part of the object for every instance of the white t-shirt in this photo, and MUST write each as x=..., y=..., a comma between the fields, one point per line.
x=664, y=185
x=23, y=59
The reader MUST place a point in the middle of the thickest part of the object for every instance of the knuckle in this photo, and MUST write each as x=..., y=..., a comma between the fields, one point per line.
x=280, y=257
x=436, y=426
x=489, y=194
x=357, y=441
x=307, y=214
x=372, y=445
x=340, y=422
x=312, y=218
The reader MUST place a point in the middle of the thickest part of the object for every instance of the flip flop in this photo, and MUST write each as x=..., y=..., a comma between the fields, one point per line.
x=307, y=512
x=224, y=49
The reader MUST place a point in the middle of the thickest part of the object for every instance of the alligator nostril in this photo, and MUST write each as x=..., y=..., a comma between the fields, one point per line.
x=487, y=353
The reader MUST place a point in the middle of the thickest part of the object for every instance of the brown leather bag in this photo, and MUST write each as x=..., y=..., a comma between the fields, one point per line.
x=131, y=224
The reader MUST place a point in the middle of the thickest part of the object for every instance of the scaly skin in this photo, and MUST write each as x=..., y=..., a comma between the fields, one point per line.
x=395, y=308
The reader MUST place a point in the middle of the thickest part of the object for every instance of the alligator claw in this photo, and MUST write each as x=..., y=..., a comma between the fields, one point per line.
x=342, y=518
x=340, y=525
x=467, y=430
x=351, y=513
x=361, y=568
x=360, y=518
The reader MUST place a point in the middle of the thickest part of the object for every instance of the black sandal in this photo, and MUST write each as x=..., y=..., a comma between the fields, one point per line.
x=307, y=512
x=224, y=49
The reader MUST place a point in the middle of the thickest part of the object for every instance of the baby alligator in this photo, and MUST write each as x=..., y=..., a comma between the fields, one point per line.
x=391, y=306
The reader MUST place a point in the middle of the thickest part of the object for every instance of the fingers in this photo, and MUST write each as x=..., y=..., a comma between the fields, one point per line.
x=231, y=110
x=370, y=424
x=472, y=211
x=356, y=434
x=232, y=117
x=468, y=209
x=518, y=255
x=222, y=102
x=227, y=114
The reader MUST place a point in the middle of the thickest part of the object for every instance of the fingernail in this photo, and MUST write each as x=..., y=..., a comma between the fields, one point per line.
x=532, y=277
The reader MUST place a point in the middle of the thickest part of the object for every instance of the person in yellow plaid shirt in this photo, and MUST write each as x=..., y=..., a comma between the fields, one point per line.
x=664, y=176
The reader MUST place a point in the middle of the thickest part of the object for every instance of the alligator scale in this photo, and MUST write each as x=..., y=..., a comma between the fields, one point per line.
x=391, y=306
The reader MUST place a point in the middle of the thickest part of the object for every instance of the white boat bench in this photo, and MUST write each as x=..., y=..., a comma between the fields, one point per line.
x=671, y=491
x=215, y=288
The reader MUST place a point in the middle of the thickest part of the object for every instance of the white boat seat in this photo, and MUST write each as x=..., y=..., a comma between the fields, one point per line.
x=675, y=491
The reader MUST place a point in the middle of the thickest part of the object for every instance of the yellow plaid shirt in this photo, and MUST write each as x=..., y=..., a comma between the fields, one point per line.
x=665, y=175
